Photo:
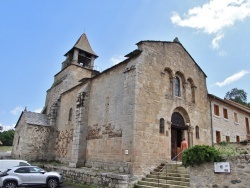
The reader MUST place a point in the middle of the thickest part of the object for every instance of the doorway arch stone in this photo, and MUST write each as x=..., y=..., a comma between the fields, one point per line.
x=179, y=128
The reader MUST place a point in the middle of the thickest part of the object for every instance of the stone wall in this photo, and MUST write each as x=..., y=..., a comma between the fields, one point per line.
x=34, y=145
x=64, y=126
x=65, y=80
x=91, y=177
x=111, y=118
x=157, y=66
x=204, y=176
x=19, y=139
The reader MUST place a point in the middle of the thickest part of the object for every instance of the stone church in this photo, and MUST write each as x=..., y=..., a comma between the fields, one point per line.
x=129, y=117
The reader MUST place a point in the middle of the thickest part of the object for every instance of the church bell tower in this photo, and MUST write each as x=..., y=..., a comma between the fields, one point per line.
x=81, y=54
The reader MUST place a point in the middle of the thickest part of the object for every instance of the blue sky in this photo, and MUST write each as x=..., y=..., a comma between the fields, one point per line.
x=35, y=35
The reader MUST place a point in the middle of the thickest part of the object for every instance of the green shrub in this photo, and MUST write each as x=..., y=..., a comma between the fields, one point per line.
x=136, y=186
x=199, y=154
x=227, y=150
x=244, y=142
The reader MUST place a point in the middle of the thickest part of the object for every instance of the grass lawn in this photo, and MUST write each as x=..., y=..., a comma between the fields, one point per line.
x=5, y=148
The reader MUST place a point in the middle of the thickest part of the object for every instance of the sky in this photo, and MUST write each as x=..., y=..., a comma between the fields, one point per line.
x=35, y=35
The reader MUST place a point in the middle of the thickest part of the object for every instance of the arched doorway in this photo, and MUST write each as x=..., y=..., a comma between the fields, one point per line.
x=178, y=126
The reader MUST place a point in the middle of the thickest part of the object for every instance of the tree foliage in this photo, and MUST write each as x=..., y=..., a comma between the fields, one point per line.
x=7, y=137
x=238, y=95
x=199, y=154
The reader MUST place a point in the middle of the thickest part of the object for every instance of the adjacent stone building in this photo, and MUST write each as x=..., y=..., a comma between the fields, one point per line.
x=129, y=117
x=230, y=120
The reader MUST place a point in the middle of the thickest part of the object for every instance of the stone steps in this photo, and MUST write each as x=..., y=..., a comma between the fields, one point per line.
x=164, y=181
x=169, y=178
x=178, y=174
x=175, y=176
x=142, y=184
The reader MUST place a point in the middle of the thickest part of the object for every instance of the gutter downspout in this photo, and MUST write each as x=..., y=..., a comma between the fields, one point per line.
x=212, y=127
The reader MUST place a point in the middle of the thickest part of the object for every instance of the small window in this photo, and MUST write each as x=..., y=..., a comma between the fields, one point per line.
x=216, y=110
x=235, y=117
x=162, y=125
x=177, y=91
x=247, y=125
x=70, y=114
x=227, y=139
x=35, y=170
x=22, y=170
x=225, y=115
x=197, y=132
x=218, y=139
x=237, y=139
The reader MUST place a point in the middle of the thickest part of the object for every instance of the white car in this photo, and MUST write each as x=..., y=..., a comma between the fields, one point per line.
x=6, y=164
x=29, y=176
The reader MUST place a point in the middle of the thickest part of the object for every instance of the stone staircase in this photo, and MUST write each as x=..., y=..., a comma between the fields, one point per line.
x=173, y=176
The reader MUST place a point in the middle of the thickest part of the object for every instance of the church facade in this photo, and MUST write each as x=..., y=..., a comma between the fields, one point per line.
x=129, y=117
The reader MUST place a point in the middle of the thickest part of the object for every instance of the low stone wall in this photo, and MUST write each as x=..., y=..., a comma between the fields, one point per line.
x=204, y=176
x=122, y=167
x=89, y=176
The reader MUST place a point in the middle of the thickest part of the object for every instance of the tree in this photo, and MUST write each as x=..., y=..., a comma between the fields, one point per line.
x=7, y=137
x=238, y=95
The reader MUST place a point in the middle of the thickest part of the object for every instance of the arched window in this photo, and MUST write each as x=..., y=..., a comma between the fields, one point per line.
x=177, y=91
x=197, y=134
x=70, y=114
x=162, y=125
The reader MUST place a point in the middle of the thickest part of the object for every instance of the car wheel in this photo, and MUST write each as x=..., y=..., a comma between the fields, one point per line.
x=10, y=184
x=52, y=183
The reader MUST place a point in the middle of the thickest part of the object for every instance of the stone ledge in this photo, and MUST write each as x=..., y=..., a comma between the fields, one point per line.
x=91, y=177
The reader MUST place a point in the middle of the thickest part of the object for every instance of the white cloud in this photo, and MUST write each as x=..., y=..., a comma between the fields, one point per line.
x=213, y=17
x=116, y=59
x=38, y=110
x=232, y=78
x=17, y=110
x=7, y=127
x=215, y=41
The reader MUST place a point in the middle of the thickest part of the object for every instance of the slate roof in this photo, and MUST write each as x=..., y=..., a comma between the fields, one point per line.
x=83, y=44
x=33, y=118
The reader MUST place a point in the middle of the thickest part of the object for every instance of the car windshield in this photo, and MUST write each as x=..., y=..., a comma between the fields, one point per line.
x=36, y=169
x=24, y=164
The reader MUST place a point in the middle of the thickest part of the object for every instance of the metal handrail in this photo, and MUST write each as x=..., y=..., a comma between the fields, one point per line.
x=166, y=168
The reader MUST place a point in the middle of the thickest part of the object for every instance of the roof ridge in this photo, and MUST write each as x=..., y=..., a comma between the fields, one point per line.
x=236, y=103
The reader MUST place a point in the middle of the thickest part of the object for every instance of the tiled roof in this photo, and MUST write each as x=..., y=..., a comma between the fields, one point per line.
x=238, y=105
x=33, y=118
x=232, y=103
